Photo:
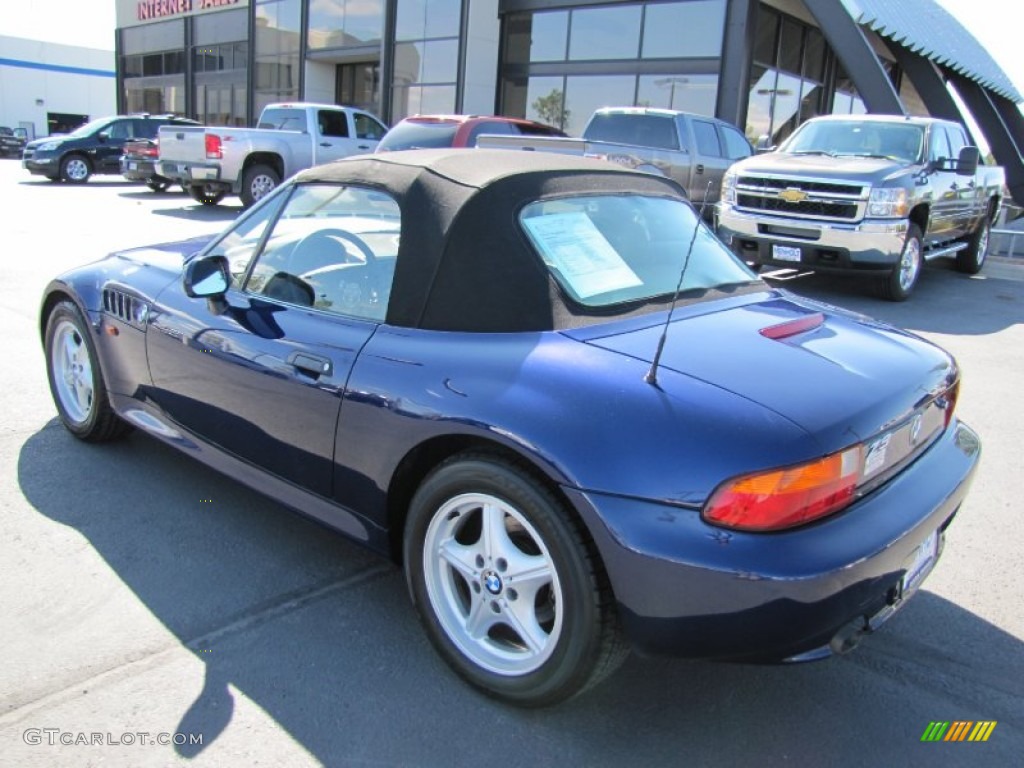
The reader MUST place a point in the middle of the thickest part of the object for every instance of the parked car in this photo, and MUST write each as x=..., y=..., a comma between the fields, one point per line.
x=249, y=162
x=139, y=163
x=12, y=141
x=435, y=131
x=864, y=194
x=545, y=387
x=95, y=147
x=694, y=150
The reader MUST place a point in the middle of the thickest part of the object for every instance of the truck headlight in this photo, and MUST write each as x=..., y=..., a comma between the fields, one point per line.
x=729, y=188
x=888, y=203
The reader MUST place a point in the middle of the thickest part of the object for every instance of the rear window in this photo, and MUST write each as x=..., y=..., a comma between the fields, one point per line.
x=418, y=135
x=605, y=250
x=283, y=119
x=657, y=131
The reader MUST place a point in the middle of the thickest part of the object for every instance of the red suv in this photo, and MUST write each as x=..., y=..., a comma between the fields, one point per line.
x=427, y=131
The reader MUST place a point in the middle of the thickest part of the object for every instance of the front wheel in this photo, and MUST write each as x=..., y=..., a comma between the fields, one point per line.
x=506, y=586
x=75, y=169
x=899, y=284
x=258, y=182
x=76, y=382
x=972, y=258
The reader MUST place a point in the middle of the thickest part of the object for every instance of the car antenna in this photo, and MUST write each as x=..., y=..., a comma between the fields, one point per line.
x=651, y=376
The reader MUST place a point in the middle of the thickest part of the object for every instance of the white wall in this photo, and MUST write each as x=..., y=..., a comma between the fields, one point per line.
x=21, y=87
x=319, y=85
x=480, y=77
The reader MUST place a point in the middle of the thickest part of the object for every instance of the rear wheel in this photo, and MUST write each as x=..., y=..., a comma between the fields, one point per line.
x=258, y=182
x=76, y=382
x=506, y=587
x=207, y=197
x=75, y=169
x=899, y=284
x=972, y=258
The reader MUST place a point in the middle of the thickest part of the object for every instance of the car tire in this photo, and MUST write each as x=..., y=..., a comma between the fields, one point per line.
x=200, y=195
x=158, y=186
x=900, y=282
x=258, y=181
x=972, y=258
x=76, y=381
x=75, y=169
x=507, y=586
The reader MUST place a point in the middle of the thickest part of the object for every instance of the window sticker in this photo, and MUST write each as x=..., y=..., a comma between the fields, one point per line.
x=586, y=260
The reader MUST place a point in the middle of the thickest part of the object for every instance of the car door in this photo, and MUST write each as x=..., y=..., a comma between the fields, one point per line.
x=338, y=136
x=965, y=188
x=709, y=162
x=110, y=146
x=262, y=374
x=943, y=182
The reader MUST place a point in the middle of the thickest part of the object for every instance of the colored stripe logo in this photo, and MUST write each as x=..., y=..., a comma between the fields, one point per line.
x=959, y=730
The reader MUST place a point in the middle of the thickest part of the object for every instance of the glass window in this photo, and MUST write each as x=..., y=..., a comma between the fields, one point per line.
x=957, y=141
x=345, y=23
x=283, y=119
x=332, y=123
x=545, y=101
x=790, y=46
x=585, y=94
x=690, y=93
x=368, y=128
x=605, y=33
x=164, y=36
x=240, y=242
x=643, y=130
x=333, y=248
x=707, y=139
x=679, y=30
x=614, y=249
x=548, y=36
x=419, y=19
x=764, y=42
x=939, y=145
x=736, y=144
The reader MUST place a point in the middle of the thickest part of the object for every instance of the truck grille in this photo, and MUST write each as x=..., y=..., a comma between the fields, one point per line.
x=806, y=208
x=821, y=199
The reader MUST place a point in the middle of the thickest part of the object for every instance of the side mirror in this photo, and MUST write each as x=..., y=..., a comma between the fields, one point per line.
x=103, y=136
x=207, y=277
x=764, y=144
x=967, y=163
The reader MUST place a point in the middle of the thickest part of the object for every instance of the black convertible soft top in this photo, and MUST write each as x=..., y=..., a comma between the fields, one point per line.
x=464, y=263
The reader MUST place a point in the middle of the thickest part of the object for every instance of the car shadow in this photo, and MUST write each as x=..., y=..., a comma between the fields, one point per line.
x=148, y=194
x=320, y=634
x=197, y=211
x=976, y=304
x=92, y=182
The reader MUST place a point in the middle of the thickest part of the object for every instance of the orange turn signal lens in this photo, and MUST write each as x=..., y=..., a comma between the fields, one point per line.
x=783, y=498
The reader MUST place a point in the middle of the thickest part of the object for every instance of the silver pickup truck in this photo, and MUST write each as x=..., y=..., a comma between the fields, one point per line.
x=872, y=194
x=211, y=162
x=694, y=150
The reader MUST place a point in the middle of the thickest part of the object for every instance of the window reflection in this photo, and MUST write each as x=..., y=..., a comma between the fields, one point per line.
x=586, y=93
x=690, y=93
x=345, y=23
x=678, y=30
x=605, y=33
x=426, y=57
x=418, y=19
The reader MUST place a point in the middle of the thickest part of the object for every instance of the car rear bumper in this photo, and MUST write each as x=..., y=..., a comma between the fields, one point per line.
x=871, y=244
x=138, y=170
x=690, y=589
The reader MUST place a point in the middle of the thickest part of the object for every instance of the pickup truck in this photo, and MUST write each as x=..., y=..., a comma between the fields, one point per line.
x=871, y=194
x=693, y=150
x=211, y=162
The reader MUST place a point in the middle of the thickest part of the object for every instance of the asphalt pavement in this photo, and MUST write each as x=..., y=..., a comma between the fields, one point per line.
x=148, y=603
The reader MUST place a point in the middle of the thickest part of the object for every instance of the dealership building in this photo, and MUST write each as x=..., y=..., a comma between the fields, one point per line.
x=764, y=66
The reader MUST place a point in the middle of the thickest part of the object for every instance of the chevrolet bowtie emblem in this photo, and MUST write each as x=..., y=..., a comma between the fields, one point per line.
x=793, y=195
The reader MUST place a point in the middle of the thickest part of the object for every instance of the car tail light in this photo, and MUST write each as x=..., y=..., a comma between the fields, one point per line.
x=783, y=498
x=214, y=150
x=948, y=400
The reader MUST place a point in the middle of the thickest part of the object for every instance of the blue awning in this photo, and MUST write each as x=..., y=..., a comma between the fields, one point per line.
x=926, y=28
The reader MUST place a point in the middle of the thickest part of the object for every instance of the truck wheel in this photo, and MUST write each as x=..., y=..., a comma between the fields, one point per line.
x=200, y=195
x=972, y=258
x=899, y=284
x=75, y=169
x=258, y=182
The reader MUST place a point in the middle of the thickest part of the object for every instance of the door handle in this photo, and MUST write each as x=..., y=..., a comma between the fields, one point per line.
x=325, y=143
x=364, y=146
x=699, y=168
x=312, y=365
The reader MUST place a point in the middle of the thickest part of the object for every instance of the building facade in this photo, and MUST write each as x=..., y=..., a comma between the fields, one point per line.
x=49, y=88
x=765, y=66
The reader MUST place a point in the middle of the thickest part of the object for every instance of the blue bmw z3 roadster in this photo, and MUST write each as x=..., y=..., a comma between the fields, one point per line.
x=542, y=386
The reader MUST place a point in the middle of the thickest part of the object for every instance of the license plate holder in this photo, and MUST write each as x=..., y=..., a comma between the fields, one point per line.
x=785, y=253
x=920, y=563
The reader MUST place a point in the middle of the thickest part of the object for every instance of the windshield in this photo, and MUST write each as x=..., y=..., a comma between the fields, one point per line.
x=90, y=128
x=607, y=250
x=858, y=138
